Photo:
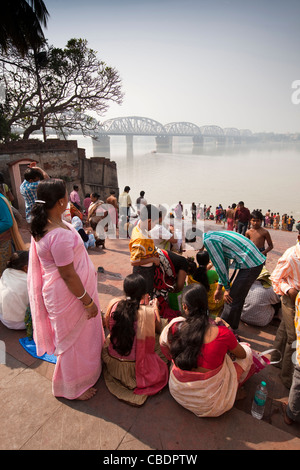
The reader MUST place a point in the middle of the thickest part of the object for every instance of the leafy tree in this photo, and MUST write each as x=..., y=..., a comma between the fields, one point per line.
x=5, y=131
x=21, y=23
x=4, y=127
x=71, y=84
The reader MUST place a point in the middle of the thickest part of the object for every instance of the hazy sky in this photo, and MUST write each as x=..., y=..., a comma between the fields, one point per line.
x=229, y=63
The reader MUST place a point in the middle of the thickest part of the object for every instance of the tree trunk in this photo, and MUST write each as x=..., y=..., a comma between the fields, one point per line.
x=30, y=130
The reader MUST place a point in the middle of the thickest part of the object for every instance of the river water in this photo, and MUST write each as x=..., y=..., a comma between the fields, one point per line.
x=264, y=176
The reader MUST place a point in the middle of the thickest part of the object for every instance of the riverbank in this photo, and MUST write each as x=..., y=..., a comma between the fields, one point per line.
x=32, y=419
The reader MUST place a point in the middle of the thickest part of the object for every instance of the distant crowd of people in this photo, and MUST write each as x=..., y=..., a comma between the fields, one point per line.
x=269, y=219
x=176, y=325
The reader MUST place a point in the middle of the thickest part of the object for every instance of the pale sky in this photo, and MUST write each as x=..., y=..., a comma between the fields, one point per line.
x=229, y=63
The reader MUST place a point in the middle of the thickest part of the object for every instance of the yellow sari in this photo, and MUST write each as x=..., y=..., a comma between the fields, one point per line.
x=214, y=308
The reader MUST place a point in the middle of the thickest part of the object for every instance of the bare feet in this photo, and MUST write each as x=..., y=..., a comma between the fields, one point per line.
x=286, y=419
x=87, y=394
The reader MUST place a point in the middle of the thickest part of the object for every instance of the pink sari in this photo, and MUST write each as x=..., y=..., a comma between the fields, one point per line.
x=151, y=372
x=230, y=223
x=60, y=324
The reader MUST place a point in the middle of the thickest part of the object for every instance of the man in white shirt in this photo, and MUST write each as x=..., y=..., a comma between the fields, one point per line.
x=124, y=211
x=125, y=201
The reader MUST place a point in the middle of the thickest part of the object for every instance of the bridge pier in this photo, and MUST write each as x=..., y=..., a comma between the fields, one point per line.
x=164, y=143
x=198, y=142
x=129, y=146
x=129, y=143
x=220, y=140
x=101, y=146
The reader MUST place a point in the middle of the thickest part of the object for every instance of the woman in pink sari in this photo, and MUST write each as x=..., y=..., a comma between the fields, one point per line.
x=133, y=369
x=63, y=296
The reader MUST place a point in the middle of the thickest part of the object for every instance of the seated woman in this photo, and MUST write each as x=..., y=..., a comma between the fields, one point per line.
x=204, y=378
x=209, y=279
x=88, y=238
x=132, y=368
x=14, y=299
x=94, y=216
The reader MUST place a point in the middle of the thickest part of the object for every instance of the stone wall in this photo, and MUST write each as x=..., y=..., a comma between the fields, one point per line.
x=60, y=159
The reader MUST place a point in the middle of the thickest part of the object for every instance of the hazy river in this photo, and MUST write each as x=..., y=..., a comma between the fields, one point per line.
x=263, y=176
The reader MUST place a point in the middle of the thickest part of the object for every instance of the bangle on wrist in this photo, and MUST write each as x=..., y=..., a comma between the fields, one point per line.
x=89, y=305
x=82, y=295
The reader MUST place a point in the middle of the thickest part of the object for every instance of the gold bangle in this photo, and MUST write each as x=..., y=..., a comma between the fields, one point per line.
x=89, y=305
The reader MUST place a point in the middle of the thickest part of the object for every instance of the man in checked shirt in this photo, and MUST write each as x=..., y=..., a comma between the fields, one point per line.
x=286, y=282
x=32, y=176
x=227, y=250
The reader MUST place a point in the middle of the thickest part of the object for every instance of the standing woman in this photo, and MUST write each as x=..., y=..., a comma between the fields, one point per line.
x=95, y=214
x=63, y=296
x=92, y=217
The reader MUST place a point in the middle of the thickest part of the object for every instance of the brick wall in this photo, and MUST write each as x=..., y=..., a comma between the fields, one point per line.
x=60, y=159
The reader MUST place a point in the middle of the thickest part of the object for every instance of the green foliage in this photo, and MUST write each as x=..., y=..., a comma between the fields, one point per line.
x=21, y=23
x=76, y=89
x=5, y=133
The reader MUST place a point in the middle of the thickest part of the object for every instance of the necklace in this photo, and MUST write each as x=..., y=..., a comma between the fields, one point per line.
x=58, y=223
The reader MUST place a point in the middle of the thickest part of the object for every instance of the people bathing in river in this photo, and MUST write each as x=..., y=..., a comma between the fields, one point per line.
x=230, y=217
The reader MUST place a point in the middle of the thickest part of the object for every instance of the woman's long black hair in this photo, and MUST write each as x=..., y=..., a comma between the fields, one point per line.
x=49, y=191
x=123, y=332
x=200, y=274
x=186, y=343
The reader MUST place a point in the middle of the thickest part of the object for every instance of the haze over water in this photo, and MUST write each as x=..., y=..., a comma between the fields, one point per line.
x=264, y=176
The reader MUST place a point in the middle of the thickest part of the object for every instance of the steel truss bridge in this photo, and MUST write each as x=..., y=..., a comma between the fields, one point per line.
x=135, y=125
x=131, y=126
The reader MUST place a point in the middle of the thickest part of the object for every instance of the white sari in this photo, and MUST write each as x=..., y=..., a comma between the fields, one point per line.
x=14, y=298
